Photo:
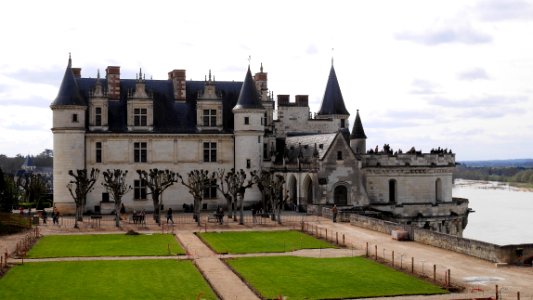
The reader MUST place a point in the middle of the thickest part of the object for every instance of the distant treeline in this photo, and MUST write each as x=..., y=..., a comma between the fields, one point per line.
x=524, y=163
x=10, y=165
x=504, y=174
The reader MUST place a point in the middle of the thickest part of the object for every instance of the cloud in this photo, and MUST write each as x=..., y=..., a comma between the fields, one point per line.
x=486, y=101
x=473, y=74
x=498, y=10
x=461, y=34
x=311, y=49
x=423, y=87
x=35, y=76
x=410, y=115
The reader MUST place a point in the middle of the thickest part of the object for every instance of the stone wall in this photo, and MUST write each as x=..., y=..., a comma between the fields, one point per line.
x=510, y=254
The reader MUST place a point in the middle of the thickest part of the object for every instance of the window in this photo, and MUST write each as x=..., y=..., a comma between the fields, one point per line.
x=210, y=117
x=246, y=120
x=105, y=197
x=264, y=120
x=139, y=190
x=259, y=139
x=98, y=116
x=98, y=152
x=438, y=190
x=140, y=117
x=339, y=155
x=75, y=118
x=248, y=164
x=139, y=152
x=343, y=123
x=392, y=191
x=210, y=192
x=210, y=152
x=265, y=151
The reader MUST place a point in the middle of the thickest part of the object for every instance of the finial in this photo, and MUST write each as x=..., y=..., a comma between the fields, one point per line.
x=332, y=51
x=140, y=74
x=358, y=110
x=261, y=67
x=209, y=75
x=249, y=60
x=69, y=60
x=98, y=74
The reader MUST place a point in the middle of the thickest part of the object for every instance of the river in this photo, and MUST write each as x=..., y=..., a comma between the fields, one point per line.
x=503, y=214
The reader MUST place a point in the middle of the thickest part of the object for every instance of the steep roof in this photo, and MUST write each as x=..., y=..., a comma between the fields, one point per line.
x=333, y=103
x=357, y=132
x=307, y=144
x=69, y=93
x=248, y=97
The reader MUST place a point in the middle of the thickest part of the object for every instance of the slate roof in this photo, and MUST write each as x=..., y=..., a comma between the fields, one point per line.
x=248, y=97
x=69, y=93
x=332, y=103
x=304, y=146
x=358, y=132
x=170, y=116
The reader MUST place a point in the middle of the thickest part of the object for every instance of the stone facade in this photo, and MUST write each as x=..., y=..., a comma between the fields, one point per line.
x=182, y=125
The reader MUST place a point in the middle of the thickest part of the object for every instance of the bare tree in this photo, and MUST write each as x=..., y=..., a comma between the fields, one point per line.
x=242, y=186
x=276, y=191
x=79, y=188
x=227, y=186
x=115, y=184
x=157, y=181
x=197, y=182
x=263, y=180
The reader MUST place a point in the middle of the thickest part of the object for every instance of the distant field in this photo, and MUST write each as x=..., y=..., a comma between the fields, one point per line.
x=133, y=279
x=327, y=278
x=106, y=245
x=261, y=241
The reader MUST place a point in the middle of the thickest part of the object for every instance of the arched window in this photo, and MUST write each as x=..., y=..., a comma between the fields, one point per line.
x=438, y=190
x=392, y=191
x=340, y=195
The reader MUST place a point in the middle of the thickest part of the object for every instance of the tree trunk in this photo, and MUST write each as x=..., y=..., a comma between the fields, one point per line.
x=197, y=203
x=157, y=208
x=76, y=216
x=241, y=204
x=279, y=214
x=117, y=213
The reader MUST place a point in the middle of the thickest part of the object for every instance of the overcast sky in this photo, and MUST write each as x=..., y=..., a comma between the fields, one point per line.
x=454, y=74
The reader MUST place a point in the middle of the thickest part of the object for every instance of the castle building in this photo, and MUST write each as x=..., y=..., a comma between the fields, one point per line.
x=183, y=125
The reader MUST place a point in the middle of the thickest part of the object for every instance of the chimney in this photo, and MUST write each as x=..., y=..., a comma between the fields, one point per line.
x=178, y=82
x=113, y=82
x=283, y=100
x=77, y=72
x=302, y=100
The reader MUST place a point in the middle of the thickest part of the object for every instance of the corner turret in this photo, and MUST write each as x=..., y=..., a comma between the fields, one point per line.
x=358, y=136
x=332, y=106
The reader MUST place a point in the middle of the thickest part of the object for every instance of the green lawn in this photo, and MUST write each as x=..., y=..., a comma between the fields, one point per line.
x=133, y=279
x=106, y=245
x=261, y=241
x=327, y=278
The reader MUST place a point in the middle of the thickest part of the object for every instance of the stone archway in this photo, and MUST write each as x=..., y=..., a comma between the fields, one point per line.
x=308, y=190
x=340, y=195
x=293, y=190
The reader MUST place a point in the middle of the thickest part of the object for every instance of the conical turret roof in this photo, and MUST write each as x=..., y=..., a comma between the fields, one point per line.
x=333, y=103
x=357, y=132
x=248, y=97
x=69, y=92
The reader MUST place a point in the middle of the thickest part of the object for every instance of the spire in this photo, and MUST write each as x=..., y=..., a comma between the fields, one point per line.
x=248, y=97
x=357, y=132
x=333, y=103
x=69, y=93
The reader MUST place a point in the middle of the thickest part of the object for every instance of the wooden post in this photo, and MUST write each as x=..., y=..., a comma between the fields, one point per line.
x=497, y=297
x=337, y=237
x=393, y=258
x=517, y=295
x=366, y=249
x=376, y=248
x=326, y=234
x=412, y=264
x=343, y=240
x=449, y=277
x=434, y=272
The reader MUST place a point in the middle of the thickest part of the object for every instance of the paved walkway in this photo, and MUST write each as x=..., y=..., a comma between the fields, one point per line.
x=225, y=283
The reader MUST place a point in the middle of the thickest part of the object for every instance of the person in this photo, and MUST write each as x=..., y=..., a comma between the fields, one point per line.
x=220, y=215
x=334, y=211
x=254, y=215
x=45, y=216
x=169, y=215
x=122, y=211
x=55, y=216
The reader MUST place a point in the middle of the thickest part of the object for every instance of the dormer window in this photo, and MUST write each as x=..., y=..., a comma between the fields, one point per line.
x=75, y=118
x=140, y=117
x=339, y=155
x=98, y=116
x=210, y=117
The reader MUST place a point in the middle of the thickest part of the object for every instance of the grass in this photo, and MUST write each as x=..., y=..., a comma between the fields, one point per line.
x=327, y=278
x=133, y=279
x=105, y=245
x=261, y=242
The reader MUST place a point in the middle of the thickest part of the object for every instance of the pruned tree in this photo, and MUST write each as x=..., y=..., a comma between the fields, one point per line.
x=79, y=187
x=197, y=182
x=157, y=181
x=242, y=185
x=115, y=184
x=33, y=187
x=227, y=186
x=271, y=186
x=8, y=192
x=278, y=197
x=263, y=180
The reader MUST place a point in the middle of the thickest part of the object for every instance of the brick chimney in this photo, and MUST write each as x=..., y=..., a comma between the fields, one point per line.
x=283, y=100
x=178, y=82
x=302, y=100
x=113, y=82
x=77, y=72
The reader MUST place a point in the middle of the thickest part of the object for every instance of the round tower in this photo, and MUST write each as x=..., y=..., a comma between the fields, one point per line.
x=249, y=131
x=358, y=136
x=69, y=123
